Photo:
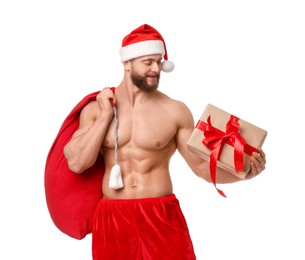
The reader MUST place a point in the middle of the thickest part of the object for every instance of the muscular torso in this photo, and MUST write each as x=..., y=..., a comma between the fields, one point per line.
x=146, y=142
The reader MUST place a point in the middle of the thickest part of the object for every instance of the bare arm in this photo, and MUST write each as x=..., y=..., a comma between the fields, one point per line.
x=200, y=166
x=84, y=147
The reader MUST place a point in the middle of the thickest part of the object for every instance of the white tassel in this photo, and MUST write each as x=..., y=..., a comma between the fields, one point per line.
x=115, y=179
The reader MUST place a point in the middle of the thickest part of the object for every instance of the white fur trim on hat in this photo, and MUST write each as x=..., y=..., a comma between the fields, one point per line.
x=143, y=48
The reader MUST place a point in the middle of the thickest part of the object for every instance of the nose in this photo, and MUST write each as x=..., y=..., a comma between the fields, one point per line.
x=156, y=67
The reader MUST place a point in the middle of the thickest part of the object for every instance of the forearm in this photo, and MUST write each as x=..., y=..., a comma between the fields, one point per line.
x=84, y=147
x=223, y=176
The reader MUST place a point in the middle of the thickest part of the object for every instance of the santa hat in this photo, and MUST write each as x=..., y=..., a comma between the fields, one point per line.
x=145, y=40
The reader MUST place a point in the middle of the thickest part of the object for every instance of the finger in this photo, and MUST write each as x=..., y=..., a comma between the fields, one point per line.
x=107, y=93
x=262, y=153
x=253, y=170
x=111, y=96
x=257, y=166
x=257, y=163
x=259, y=158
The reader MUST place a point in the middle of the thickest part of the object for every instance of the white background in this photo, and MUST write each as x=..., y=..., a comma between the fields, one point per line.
x=244, y=56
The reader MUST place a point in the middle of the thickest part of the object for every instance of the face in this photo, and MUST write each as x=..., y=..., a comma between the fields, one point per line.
x=145, y=72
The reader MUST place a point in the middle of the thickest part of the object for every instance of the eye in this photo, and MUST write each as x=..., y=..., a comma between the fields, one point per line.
x=148, y=62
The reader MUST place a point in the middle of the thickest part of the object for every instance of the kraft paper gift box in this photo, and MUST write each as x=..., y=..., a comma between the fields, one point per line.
x=218, y=129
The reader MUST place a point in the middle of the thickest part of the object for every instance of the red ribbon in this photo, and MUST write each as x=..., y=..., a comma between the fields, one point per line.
x=215, y=140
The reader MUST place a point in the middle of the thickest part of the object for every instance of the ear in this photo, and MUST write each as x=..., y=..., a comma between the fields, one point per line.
x=127, y=65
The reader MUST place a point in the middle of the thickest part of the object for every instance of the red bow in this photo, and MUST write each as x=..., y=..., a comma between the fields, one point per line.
x=215, y=139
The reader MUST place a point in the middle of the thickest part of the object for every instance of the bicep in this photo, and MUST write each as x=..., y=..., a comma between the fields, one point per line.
x=198, y=165
x=87, y=118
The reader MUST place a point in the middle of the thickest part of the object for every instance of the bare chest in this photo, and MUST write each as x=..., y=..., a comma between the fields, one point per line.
x=150, y=132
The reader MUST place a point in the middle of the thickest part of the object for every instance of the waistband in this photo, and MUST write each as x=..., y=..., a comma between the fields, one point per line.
x=170, y=197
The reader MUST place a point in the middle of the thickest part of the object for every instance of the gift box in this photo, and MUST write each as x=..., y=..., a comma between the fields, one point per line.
x=225, y=140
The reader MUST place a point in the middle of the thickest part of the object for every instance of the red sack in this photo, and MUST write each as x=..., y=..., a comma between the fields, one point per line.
x=72, y=198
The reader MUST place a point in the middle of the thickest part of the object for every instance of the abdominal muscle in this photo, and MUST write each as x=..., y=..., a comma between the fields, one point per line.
x=145, y=173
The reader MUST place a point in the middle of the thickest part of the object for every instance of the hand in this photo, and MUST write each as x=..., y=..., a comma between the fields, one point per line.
x=106, y=99
x=257, y=164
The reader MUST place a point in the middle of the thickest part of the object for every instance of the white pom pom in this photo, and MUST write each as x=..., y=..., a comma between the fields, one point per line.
x=115, y=179
x=167, y=66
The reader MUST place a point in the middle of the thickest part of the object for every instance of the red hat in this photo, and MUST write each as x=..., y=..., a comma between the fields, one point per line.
x=145, y=40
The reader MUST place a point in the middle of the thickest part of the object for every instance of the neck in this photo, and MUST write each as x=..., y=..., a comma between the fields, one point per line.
x=130, y=93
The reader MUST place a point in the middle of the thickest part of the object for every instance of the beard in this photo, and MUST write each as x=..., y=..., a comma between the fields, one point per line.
x=142, y=82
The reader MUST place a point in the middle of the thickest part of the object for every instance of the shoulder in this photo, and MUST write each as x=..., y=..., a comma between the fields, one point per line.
x=90, y=111
x=178, y=109
x=178, y=104
x=183, y=114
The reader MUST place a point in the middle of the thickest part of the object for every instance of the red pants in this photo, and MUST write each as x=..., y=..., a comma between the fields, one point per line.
x=141, y=229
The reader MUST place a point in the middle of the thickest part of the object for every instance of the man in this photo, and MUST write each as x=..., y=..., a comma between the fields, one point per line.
x=137, y=129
